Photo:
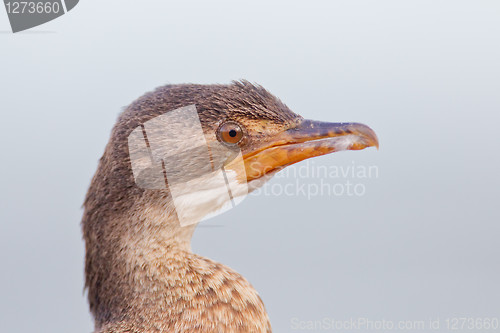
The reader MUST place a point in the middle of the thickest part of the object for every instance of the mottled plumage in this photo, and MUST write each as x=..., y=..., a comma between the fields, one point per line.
x=140, y=272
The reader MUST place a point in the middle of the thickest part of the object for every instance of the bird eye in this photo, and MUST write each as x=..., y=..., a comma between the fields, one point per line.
x=230, y=132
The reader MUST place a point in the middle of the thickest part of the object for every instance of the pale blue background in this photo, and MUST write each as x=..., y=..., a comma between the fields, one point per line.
x=422, y=243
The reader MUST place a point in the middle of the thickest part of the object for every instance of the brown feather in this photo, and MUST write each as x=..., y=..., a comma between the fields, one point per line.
x=140, y=272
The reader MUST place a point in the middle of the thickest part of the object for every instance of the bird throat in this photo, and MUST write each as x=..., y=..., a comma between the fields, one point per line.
x=155, y=283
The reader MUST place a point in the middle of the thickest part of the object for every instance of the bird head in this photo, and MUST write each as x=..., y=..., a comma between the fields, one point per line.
x=228, y=141
x=181, y=152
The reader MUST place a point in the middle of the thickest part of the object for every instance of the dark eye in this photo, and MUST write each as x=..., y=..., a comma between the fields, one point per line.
x=230, y=132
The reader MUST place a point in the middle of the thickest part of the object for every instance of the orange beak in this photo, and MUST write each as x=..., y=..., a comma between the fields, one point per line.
x=308, y=139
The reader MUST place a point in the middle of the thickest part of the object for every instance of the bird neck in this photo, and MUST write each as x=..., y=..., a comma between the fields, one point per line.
x=154, y=283
x=142, y=277
x=131, y=260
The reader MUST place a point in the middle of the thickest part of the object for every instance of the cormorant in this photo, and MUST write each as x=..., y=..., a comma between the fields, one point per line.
x=140, y=272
